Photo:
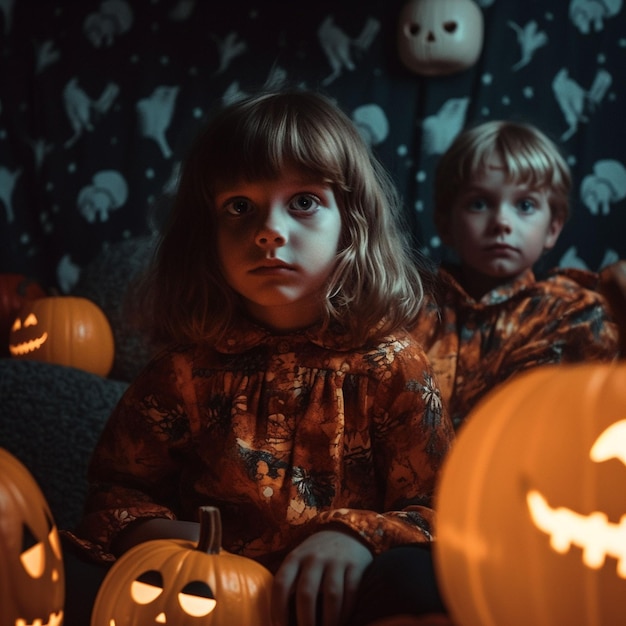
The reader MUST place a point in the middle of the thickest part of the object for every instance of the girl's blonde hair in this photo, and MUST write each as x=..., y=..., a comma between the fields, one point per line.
x=376, y=285
x=529, y=157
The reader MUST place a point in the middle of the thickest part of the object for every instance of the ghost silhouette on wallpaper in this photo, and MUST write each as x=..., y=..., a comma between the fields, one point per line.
x=338, y=46
x=371, y=123
x=229, y=48
x=586, y=14
x=606, y=185
x=7, y=184
x=46, y=54
x=114, y=18
x=529, y=39
x=6, y=7
x=575, y=102
x=108, y=192
x=80, y=108
x=571, y=259
x=441, y=129
x=155, y=115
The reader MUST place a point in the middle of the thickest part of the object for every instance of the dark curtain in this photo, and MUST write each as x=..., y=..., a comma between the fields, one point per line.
x=99, y=100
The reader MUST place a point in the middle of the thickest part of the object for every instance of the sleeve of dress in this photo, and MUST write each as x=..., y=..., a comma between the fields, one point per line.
x=412, y=434
x=571, y=323
x=132, y=472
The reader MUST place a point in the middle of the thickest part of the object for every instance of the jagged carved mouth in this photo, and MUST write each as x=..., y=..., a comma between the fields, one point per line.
x=27, y=347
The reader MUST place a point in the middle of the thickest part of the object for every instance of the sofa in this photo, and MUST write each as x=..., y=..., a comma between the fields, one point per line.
x=51, y=415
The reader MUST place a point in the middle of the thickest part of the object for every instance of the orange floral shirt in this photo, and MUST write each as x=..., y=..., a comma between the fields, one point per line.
x=284, y=434
x=473, y=346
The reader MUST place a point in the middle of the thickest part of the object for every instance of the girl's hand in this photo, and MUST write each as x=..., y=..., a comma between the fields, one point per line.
x=323, y=573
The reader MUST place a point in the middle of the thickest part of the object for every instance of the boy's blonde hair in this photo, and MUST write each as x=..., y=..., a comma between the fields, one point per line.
x=529, y=157
x=376, y=283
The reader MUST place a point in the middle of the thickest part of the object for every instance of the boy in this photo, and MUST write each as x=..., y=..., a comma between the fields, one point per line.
x=501, y=201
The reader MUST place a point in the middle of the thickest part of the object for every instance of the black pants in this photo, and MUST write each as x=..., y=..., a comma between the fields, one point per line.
x=399, y=581
x=82, y=581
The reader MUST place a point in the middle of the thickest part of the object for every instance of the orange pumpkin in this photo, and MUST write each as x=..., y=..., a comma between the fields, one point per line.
x=32, y=577
x=15, y=289
x=65, y=330
x=169, y=581
x=531, y=506
x=437, y=37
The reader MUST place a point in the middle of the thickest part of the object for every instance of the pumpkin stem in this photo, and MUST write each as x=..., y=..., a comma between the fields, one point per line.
x=210, y=540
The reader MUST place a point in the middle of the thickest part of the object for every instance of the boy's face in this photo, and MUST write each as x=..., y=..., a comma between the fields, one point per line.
x=498, y=228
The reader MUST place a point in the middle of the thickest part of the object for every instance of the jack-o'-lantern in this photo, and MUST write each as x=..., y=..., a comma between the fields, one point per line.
x=531, y=502
x=437, y=37
x=65, y=330
x=170, y=581
x=32, y=577
x=15, y=289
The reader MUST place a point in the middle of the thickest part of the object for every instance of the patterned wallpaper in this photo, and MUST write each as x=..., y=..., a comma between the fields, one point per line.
x=99, y=99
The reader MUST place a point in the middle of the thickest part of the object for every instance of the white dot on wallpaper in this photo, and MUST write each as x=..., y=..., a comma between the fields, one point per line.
x=506, y=100
x=165, y=60
x=197, y=113
x=3, y=134
x=549, y=16
x=71, y=167
x=49, y=186
x=485, y=111
x=572, y=160
x=114, y=141
x=150, y=173
x=621, y=43
x=25, y=238
x=528, y=92
x=402, y=150
x=126, y=234
x=134, y=58
x=435, y=242
x=419, y=206
x=486, y=79
x=420, y=176
x=602, y=59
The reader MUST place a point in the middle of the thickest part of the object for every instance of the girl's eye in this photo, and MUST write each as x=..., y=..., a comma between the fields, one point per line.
x=238, y=206
x=304, y=202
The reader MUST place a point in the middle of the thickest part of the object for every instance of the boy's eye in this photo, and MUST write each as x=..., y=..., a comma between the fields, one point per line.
x=526, y=205
x=304, y=202
x=477, y=204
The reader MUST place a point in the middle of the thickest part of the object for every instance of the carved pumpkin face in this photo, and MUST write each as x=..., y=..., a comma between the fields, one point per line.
x=15, y=289
x=531, y=506
x=437, y=37
x=32, y=577
x=174, y=582
x=64, y=330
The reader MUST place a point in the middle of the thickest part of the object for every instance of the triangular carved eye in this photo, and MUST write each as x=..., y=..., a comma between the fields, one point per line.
x=197, y=599
x=33, y=555
x=31, y=320
x=17, y=324
x=147, y=587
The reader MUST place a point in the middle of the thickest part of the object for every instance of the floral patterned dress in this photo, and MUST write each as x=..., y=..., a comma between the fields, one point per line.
x=475, y=345
x=284, y=434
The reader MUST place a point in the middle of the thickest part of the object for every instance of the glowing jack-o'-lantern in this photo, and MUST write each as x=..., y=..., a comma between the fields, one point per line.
x=531, y=506
x=437, y=37
x=15, y=289
x=170, y=581
x=32, y=577
x=65, y=330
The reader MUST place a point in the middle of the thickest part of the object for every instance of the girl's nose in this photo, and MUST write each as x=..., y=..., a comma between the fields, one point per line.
x=271, y=232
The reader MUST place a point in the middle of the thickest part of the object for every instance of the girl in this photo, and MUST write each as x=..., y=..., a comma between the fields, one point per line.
x=289, y=394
